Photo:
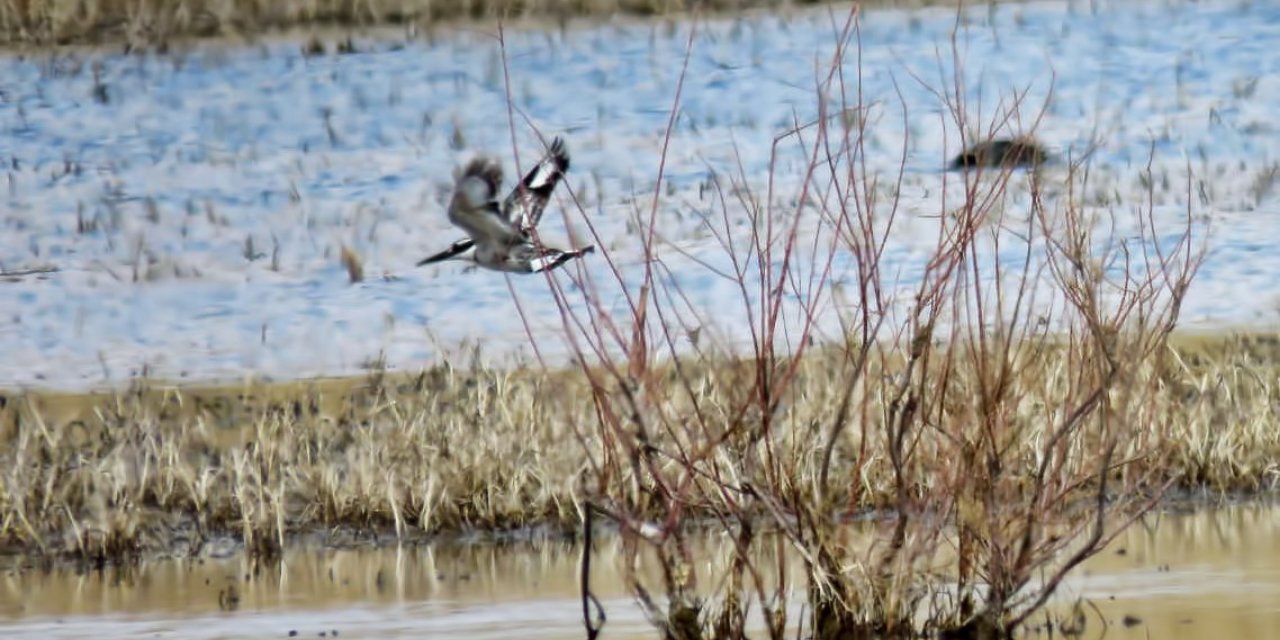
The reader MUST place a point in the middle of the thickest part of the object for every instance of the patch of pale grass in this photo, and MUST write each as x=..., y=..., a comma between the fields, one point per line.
x=50, y=22
x=443, y=451
x=159, y=469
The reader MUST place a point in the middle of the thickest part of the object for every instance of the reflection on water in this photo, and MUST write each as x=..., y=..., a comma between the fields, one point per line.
x=1205, y=575
x=465, y=591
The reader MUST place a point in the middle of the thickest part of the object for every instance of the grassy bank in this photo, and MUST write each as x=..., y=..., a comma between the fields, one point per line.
x=158, y=470
x=148, y=23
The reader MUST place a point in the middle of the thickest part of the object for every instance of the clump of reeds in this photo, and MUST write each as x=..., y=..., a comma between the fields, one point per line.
x=112, y=477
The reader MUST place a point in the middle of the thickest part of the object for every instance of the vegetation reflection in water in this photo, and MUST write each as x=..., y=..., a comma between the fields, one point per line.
x=1208, y=574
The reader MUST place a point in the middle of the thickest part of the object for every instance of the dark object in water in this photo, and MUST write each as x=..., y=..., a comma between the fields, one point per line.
x=1017, y=152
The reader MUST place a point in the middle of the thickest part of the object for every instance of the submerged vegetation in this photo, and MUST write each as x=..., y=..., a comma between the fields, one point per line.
x=1018, y=152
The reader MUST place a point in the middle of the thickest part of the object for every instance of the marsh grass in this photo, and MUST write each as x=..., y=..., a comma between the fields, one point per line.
x=155, y=23
x=160, y=470
x=98, y=478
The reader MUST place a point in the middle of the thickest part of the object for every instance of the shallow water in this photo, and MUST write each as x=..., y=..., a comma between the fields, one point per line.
x=194, y=206
x=1210, y=574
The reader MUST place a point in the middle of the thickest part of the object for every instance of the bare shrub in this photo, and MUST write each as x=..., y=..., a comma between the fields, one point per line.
x=1000, y=420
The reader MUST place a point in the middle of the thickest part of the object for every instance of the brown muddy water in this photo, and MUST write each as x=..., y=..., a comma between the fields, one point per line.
x=1208, y=574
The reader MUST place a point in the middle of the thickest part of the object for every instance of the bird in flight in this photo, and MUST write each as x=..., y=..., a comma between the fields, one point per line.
x=500, y=234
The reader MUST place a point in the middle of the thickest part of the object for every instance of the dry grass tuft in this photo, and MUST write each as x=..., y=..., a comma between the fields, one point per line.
x=353, y=263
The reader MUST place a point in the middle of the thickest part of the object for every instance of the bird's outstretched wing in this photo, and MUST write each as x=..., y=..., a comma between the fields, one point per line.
x=475, y=207
x=526, y=202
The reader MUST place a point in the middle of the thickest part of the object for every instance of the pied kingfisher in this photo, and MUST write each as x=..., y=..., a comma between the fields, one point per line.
x=500, y=236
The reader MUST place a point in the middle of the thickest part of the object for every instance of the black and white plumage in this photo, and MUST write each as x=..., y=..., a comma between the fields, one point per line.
x=500, y=235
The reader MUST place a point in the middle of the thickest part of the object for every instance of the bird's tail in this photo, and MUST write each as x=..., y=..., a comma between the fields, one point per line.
x=554, y=258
